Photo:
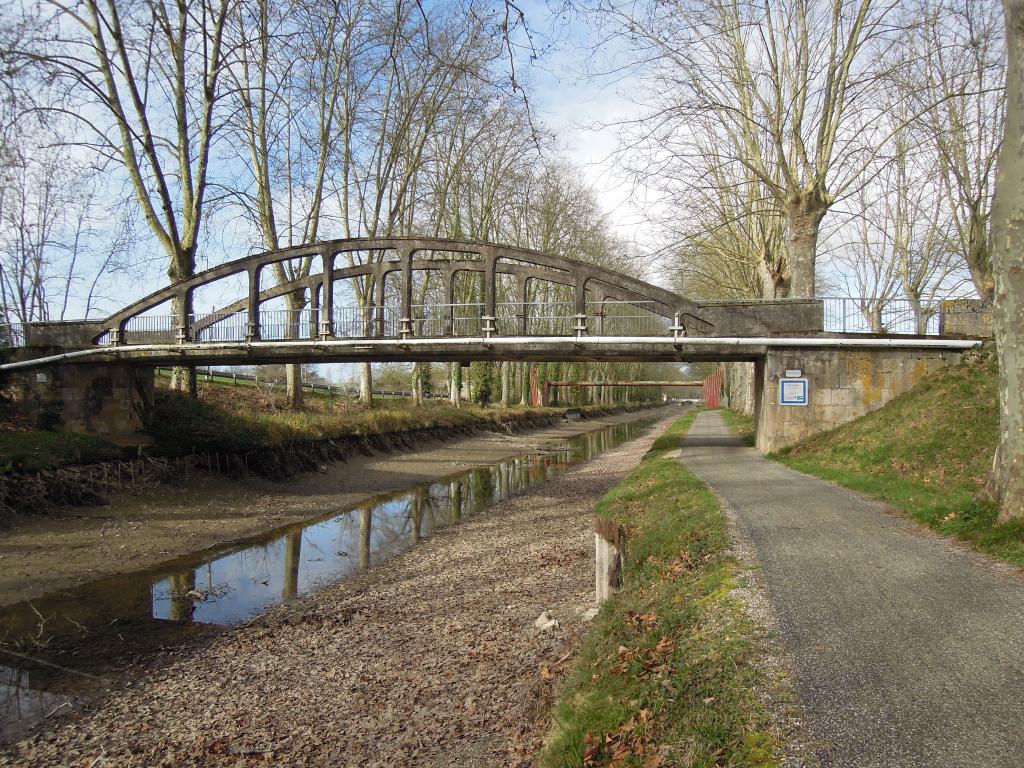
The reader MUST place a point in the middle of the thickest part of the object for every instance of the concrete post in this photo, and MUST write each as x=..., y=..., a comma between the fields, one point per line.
x=314, y=289
x=449, y=299
x=524, y=318
x=379, y=279
x=581, y=306
x=405, y=323
x=488, y=327
x=182, y=331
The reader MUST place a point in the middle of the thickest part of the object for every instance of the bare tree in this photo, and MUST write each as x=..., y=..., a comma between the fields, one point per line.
x=734, y=242
x=783, y=89
x=1005, y=485
x=291, y=67
x=142, y=81
x=951, y=71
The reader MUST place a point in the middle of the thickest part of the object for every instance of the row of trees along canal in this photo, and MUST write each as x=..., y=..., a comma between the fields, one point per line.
x=291, y=123
x=771, y=125
x=880, y=137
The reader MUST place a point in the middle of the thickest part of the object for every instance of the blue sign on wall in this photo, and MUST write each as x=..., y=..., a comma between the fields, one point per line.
x=793, y=391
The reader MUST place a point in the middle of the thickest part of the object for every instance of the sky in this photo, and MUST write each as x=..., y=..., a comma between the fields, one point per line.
x=569, y=98
x=580, y=106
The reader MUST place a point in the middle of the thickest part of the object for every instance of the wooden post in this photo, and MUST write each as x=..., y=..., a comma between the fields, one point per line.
x=609, y=540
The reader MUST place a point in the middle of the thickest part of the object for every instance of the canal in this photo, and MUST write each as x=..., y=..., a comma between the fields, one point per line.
x=65, y=646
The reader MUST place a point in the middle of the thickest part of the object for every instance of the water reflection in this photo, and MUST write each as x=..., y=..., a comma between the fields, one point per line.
x=232, y=584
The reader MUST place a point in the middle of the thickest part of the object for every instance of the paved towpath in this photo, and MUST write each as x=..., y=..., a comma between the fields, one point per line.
x=906, y=652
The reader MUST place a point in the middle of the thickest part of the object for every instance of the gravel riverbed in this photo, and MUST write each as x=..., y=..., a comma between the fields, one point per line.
x=431, y=659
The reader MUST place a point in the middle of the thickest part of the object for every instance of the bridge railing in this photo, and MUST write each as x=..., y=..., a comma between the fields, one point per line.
x=851, y=314
x=842, y=314
x=12, y=335
x=220, y=326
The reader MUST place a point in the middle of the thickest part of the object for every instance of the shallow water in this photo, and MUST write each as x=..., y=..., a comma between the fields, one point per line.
x=57, y=648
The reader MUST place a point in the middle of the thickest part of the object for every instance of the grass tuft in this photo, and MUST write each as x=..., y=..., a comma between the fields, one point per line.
x=741, y=424
x=665, y=674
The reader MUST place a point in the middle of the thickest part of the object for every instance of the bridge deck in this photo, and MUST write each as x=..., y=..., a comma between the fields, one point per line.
x=590, y=348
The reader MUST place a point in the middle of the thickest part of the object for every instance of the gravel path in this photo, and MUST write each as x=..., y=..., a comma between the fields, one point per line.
x=906, y=651
x=430, y=660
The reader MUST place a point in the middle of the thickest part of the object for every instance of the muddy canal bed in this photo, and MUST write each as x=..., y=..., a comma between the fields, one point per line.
x=40, y=555
x=72, y=644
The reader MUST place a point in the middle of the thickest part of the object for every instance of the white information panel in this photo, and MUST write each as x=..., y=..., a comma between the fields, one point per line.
x=793, y=391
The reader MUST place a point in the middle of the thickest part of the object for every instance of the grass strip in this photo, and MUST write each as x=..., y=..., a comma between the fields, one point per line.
x=741, y=425
x=926, y=453
x=31, y=451
x=665, y=675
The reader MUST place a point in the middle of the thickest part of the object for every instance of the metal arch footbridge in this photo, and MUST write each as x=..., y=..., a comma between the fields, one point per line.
x=599, y=314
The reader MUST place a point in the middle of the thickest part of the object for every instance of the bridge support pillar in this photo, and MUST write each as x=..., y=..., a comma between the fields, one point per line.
x=103, y=399
x=842, y=385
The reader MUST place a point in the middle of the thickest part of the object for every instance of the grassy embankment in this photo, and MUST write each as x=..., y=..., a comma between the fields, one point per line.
x=244, y=419
x=665, y=674
x=926, y=453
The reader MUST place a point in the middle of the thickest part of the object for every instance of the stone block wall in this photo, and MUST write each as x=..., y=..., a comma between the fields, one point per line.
x=966, y=317
x=843, y=384
x=764, y=317
x=99, y=399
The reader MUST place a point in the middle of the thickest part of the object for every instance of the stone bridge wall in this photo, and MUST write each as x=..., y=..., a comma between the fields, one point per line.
x=101, y=399
x=843, y=384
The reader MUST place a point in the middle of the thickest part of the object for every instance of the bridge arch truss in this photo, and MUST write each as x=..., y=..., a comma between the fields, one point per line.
x=596, y=293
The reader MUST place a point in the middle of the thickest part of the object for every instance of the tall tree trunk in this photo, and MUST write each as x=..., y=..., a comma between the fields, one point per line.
x=183, y=378
x=417, y=383
x=295, y=303
x=455, y=384
x=803, y=214
x=365, y=372
x=1006, y=482
x=366, y=385
x=979, y=256
x=775, y=279
x=506, y=384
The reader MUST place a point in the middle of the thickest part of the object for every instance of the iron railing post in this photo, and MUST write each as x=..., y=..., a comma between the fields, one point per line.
x=487, y=326
x=581, y=324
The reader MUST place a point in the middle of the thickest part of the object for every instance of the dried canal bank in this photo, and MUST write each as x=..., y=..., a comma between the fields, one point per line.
x=432, y=659
x=40, y=555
